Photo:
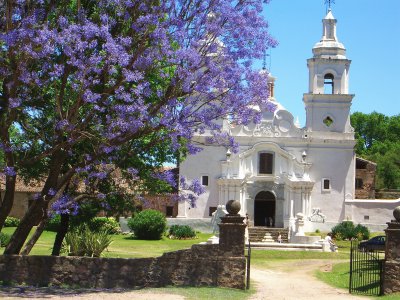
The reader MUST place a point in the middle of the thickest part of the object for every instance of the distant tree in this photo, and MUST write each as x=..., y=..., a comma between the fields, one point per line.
x=83, y=80
x=378, y=139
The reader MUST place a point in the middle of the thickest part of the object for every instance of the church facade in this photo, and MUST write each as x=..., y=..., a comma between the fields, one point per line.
x=282, y=169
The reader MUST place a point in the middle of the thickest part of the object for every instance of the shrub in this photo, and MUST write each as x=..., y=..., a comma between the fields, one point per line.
x=4, y=239
x=54, y=223
x=11, y=222
x=347, y=231
x=95, y=242
x=362, y=232
x=73, y=243
x=148, y=225
x=109, y=225
x=181, y=232
x=84, y=242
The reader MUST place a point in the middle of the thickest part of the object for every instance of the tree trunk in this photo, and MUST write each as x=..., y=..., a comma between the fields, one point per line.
x=8, y=200
x=32, y=241
x=32, y=216
x=61, y=232
x=38, y=210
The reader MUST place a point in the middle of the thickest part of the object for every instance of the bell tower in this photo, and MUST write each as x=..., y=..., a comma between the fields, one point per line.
x=328, y=102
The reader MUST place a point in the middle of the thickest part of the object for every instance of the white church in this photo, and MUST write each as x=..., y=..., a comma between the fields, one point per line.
x=282, y=169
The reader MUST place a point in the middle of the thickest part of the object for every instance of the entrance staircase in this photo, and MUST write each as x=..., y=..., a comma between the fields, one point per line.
x=267, y=234
x=267, y=238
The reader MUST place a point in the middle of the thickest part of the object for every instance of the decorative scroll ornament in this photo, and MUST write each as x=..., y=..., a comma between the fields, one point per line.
x=317, y=216
x=266, y=129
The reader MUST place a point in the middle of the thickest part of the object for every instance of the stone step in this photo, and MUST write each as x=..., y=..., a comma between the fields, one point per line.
x=267, y=238
x=285, y=246
x=267, y=234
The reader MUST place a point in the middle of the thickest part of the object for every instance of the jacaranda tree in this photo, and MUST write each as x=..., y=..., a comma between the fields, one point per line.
x=80, y=80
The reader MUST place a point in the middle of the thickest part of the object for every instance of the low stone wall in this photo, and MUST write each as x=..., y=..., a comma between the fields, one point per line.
x=202, y=265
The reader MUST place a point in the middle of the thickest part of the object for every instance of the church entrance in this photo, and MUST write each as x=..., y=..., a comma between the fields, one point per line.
x=264, y=209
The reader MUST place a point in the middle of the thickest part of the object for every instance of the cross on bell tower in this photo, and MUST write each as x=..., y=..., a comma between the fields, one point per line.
x=329, y=2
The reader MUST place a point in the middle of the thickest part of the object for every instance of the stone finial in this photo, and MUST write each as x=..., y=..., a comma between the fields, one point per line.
x=233, y=207
x=396, y=213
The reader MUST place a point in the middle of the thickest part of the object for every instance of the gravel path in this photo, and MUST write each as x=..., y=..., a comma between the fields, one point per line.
x=284, y=280
x=295, y=280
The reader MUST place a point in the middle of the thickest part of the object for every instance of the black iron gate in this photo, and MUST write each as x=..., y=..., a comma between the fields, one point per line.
x=366, y=269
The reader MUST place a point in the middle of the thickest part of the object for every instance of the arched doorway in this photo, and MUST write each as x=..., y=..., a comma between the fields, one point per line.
x=264, y=209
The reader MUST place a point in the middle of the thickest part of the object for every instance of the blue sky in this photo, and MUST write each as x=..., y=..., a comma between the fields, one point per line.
x=370, y=31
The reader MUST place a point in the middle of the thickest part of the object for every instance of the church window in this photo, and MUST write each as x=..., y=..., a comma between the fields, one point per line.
x=328, y=84
x=211, y=210
x=328, y=121
x=359, y=183
x=326, y=184
x=265, y=163
x=169, y=211
x=204, y=180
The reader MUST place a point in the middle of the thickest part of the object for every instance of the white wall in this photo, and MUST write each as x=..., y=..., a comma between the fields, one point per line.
x=206, y=162
x=379, y=212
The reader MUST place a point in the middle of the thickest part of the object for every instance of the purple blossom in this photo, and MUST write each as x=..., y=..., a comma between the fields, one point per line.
x=124, y=88
x=101, y=196
x=105, y=205
x=10, y=171
x=62, y=124
x=5, y=148
x=14, y=102
x=168, y=176
x=196, y=187
x=132, y=171
x=52, y=192
x=99, y=175
x=65, y=205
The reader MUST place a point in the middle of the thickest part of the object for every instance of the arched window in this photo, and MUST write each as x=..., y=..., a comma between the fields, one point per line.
x=328, y=83
x=265, y=163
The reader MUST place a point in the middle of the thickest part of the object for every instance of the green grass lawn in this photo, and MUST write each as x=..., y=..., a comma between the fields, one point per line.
x=264, y=258
x=339, y=277
x=123, y=246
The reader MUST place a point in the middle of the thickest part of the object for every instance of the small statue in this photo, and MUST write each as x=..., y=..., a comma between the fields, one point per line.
x=216, y=217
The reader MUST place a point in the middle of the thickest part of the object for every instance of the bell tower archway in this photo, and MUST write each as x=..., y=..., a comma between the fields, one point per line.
x=264, y=209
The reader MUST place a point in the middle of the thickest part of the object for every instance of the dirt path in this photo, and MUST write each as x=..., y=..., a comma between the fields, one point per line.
x=65, y=294
x=295, y=280
x=284, y=280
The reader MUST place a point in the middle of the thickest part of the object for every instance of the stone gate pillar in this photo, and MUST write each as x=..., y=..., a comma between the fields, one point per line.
x=391, y=278
x=232, y=231
x=231, y=261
